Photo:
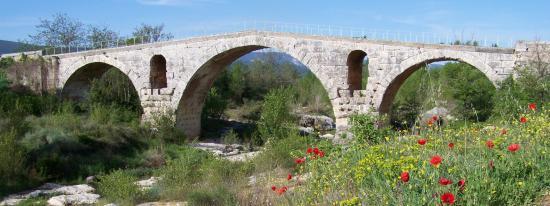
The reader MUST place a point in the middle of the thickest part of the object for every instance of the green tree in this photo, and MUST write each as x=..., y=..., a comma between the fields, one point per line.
x=115, y=88
x=275, y=120
x=237, y=81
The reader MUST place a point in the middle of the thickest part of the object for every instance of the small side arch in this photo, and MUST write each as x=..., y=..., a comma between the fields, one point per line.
x=355, y=69
x=157, y=73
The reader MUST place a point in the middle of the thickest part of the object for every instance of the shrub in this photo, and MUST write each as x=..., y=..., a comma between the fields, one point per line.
x=181, y=172
x=119, y=187
x=493, y=176
x=115, y=88
x=367, y=128
x=12, y=169
x=211, y=197
x=275, y=119
x=230, y=137
x=214, y=105
x=278, y=153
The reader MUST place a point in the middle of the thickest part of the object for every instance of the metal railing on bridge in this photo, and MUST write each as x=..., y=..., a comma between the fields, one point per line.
x=304, y=29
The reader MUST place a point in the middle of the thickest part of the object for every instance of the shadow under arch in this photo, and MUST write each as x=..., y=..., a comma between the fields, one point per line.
x=78, y=85
x=189, y=109
x=395, y=84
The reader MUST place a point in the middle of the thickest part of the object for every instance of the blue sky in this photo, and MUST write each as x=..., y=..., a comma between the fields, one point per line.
x=527, y=19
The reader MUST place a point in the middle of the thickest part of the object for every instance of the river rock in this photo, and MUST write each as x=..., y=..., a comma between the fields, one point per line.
x=304, y=131
x=72, y=189
x=76, y=199
x=148, y=183
x=319, y=122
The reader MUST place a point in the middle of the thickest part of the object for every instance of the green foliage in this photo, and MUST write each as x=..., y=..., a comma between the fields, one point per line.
x=211, y=197
x=459, y=87
x=367, y=128
x=371, y=172
x=309, y=92
x=279, y=152
x=12, y=169
x=115, y=88
x=214, y=105
x=165, y=127
x=5, y=63
x=471, y=90
x=66, y=145
x=275, y=119
x=118, y=187
x=181, y=172
x=230, y=137
x=530, y=86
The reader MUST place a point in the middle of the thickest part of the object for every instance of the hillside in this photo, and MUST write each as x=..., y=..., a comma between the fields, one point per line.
x=9, y=46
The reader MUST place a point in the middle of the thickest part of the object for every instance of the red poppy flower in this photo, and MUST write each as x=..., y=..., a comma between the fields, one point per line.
x=490, y=144
x=445, y=181
x=422, y=141
x=316, y=150
x=513, y=147
x=523, y=119
x=533, y=106
x=503, y=131
x=491, y=165
x=282, y=190
x=289, y=177
x=273, y=188
x=451, y=145
x=321, y=153
x=461, y=184
x=434, y=118
x=436, y=160
x=405, y=176
x=300, y=160
x=448, y=198
x=309, y=150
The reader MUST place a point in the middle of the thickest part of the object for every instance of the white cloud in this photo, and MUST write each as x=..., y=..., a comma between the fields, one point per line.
x=176, y=2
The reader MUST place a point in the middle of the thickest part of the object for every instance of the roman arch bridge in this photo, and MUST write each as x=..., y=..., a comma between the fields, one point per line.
x=176, y=75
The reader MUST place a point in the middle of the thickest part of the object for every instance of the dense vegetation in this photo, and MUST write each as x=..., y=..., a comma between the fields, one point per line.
x=502, y=161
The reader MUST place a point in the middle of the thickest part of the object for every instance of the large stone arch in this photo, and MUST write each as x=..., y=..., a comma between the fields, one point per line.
x=408, y=66
x=190, y=103
x=76, y=78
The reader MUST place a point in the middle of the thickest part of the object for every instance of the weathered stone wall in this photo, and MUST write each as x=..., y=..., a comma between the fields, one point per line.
x=193, y=64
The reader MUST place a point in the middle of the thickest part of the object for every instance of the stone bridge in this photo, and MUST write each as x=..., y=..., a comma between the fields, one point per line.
x=176, y=75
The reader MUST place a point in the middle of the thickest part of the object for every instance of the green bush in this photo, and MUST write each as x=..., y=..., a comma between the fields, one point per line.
x=275, y=120
x=115, y=88
x=211, y=197
x=278, y=153
x=513, y=93
x=367, y=128
x=181, y=172
x=119, y=187
x=214, y=105
x=230, y=137
x=12, y=156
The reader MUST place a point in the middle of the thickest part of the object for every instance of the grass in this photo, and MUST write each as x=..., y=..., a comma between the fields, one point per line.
x=371, y=173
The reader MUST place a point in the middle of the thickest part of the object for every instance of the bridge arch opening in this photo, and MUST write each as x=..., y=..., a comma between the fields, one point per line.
x=108, y=84
x=444, y=87
x=356, y=62
x=224, y=65
x=157, y=75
